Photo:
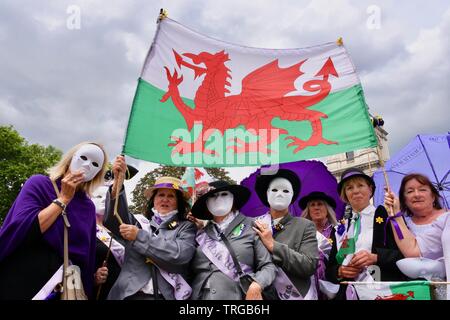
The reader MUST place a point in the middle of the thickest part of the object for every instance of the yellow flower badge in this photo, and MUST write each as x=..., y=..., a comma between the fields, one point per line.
x=173, y=224
x=175, y=186
x=330, y=241
x=379, y=220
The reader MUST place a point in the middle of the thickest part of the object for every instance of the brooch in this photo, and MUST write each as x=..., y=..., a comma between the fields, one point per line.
x=172, y=225
x=238, y=230
x=341, y=227
x=278, y=227
x=379, y=220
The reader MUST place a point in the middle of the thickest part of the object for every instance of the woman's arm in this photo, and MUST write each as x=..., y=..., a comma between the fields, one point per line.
x=69, y=184
x=408, y=245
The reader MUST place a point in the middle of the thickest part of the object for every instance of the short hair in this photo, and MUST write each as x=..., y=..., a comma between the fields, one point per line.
x=422, y=179
x=331, y=215
x=357, y=178
x=58, y=170
x=182, y=205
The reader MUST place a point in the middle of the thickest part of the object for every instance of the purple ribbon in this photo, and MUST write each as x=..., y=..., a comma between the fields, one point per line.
x=166, y=185
x=396, y=226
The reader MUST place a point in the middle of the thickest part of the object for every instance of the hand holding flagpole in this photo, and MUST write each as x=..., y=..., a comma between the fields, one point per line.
x=118, y=182
x=386, y=178
x=105, y=262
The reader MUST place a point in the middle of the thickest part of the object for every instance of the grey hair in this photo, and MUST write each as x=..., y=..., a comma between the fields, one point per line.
x=331, y=215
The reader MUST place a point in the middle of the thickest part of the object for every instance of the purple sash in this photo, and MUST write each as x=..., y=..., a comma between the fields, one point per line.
x=117, y=249
x=219, y=255
x=47, y=289
x=182, y=290
x=285, y=288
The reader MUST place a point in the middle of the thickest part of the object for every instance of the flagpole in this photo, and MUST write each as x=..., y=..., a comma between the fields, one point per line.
x=163, y=14
x=105, y=263
x=386, y=178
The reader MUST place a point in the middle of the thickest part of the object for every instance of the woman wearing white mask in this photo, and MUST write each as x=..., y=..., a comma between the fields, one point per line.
x=31, y=250
x=216, y=274
x=110, y=250
x=291, y=240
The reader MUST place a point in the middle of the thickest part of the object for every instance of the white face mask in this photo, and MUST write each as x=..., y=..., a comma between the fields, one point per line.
x=220, y=203
x=279, y=194
x=99, y=198
x=89, y=158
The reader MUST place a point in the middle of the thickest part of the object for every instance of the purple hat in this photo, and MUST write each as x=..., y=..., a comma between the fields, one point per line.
x=166, y=183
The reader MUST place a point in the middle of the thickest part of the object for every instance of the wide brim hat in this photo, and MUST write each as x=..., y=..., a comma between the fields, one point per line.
x=166, y=183
x=352, y=173
x=263, y=181
x=316, y=195
x=129, y=173
x=240, y=196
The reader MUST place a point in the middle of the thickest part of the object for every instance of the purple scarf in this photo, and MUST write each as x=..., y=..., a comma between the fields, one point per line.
x=321, y=264
x=37, y=194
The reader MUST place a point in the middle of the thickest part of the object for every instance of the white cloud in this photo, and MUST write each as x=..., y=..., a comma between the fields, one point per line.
x=60, y=87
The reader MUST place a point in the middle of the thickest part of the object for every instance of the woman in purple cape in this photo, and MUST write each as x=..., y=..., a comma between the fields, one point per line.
x=31, y=237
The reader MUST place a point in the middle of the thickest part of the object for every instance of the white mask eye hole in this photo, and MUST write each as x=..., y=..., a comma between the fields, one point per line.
x=83, y=158
x=274, y=190
x=95, y=164
x=286, y=191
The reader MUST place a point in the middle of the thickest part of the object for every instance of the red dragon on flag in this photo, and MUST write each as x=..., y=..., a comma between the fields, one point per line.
x=263, y=97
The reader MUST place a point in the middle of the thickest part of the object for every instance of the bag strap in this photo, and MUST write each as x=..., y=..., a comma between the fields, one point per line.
x=231, y=250
x=66, y=245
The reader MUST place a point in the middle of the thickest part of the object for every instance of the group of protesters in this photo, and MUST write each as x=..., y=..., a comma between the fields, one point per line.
x=209, y=250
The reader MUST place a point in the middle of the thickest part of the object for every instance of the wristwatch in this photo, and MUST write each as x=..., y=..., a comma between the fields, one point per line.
x=60, y=204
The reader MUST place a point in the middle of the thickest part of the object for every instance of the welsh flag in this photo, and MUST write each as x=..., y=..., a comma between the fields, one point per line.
x=195, y=178
x=208, y=103
x=409, y=290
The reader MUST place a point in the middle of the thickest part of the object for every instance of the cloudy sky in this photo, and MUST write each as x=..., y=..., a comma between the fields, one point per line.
x=68, y=69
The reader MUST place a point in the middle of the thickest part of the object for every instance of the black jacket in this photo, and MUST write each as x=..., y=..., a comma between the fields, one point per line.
x=388, y=254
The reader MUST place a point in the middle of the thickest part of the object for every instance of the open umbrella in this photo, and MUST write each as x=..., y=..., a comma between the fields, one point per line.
x=314, y=176
x=425, y=154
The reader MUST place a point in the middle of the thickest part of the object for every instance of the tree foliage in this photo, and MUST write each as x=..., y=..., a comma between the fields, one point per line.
x=18, y=161
x=149, y=179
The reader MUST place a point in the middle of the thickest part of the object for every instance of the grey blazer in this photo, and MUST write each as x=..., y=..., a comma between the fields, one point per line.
x=170, y=248
x=295, y=250
x=210, y=283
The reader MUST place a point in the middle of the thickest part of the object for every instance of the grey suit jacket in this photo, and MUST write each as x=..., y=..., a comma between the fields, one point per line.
x=296, y=251
x=171, y=249
x=211, y=284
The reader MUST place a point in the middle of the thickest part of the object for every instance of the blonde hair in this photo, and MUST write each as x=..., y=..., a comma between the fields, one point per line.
x=60, y=169
x=354, y=179
x=331, y=215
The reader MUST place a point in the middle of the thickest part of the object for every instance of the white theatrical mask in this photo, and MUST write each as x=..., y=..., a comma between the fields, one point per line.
x=99, y=199
x=220, y=203
x=89, y=158
x=279, y=194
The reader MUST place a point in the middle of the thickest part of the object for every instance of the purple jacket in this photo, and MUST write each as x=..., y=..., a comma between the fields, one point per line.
x=37, y=194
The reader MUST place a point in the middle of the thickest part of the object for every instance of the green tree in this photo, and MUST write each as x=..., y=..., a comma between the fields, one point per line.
x=18, y=161
x=149, y=179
